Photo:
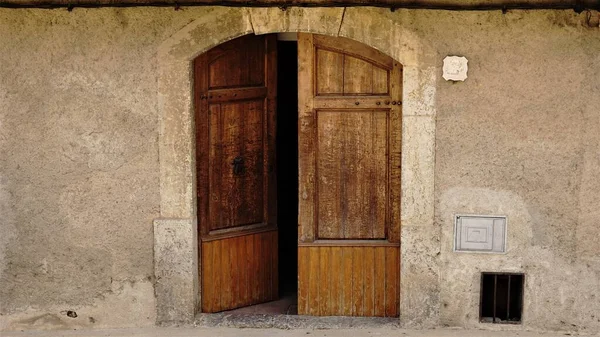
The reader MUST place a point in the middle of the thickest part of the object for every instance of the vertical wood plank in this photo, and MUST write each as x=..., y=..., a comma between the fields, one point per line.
x=329, y=72
x=207, y=283
x=391, y=282
x=358, y=76
x=225, y=266
x=233, y=271
x=244, y=267
x=325, y=276
x=253, y=266
x=315, y=281
x=202, y=141
x=260, y=271
x=395, y=158
x=266, y=267
x=214, y=156
x=357, y=281
x=337, y=280
x=369, y=281
x=303, y=280
x=306, y=135
x=270, y=160
x=378, y=175
x=217, y=248
x=331, y=184
x=347, y=281
x=380, y=81
x=379, y=281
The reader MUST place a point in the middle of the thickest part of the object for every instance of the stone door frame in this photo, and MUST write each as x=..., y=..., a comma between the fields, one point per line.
x=175, y=232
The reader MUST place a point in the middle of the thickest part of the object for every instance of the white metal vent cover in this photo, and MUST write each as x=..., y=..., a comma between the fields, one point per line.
x=480, y=233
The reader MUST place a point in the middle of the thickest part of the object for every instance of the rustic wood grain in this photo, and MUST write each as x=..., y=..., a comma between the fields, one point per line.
x=347, y=257
x=353, y=48
x=314, y=282
x=392, y=282
x=347, y=172
x=239, y=271
x=235, y=101
x=336, y=283
x=303, y=281
x=330, y=72
x=348, y=281
x=379, y=281
x=395, y=154
x=358, y=76
x=225, y=289
x=325, y=280
x=206, y=287
x=369, y=282
x=306, y=134
x=270, y=160
x=381, y=81
x=238, y=63
x=350, y=127
x=202, y=140
x=358, y=284
x=352, y=174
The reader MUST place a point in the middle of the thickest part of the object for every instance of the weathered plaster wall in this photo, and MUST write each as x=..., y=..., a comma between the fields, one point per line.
x=79, y=168
x=521, y=138
x=83, y=173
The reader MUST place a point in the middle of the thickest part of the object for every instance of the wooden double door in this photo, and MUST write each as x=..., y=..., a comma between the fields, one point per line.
x=349, y=135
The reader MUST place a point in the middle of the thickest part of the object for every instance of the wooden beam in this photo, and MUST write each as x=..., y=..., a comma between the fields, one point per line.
x=578, y=5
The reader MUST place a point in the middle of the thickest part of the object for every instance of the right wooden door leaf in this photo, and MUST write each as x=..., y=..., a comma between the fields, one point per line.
x=350, y=99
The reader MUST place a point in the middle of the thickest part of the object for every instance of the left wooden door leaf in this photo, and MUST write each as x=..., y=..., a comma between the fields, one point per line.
x=235, y=101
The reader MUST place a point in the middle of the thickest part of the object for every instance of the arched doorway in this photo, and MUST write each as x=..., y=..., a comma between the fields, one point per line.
x=347, y=122
x=176, y=254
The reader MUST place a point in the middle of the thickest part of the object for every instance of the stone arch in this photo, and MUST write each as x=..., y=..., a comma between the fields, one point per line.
x=175, y=233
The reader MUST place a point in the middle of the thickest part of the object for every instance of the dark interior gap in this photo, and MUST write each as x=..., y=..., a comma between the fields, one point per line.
x=287, y=166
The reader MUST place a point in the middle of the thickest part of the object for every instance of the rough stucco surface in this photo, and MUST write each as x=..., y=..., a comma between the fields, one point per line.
x=79, y=139
x=79, y=169
x=173, y=239
x=520, y=138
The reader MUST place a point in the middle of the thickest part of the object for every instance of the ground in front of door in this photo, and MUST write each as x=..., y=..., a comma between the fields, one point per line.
x=233, y=332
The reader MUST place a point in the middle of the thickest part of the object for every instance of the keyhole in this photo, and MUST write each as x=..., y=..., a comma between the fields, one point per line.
x=238, y=166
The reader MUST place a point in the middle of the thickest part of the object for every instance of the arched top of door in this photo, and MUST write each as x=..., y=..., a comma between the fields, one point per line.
x=373, y=27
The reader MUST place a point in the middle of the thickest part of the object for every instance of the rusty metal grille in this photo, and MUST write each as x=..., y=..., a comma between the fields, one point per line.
x=501, y=298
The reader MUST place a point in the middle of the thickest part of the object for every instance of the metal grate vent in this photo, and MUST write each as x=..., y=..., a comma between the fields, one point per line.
x=501, y=298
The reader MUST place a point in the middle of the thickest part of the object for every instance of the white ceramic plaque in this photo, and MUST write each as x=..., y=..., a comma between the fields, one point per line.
x=455, y=68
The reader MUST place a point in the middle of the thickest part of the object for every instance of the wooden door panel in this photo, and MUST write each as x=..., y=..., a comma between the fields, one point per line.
x=358, y=76
x=381, y=81
x=340, y=74
x=239, y=271
x=352, y=48
x=351, y=174
x=349, y=281
x=235, y=96
x=349, y=179
x=329, y=79
x=238, y=63
x=237, y=198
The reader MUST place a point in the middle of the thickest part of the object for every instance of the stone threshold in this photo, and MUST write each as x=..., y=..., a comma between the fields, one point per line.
x=288, y=322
